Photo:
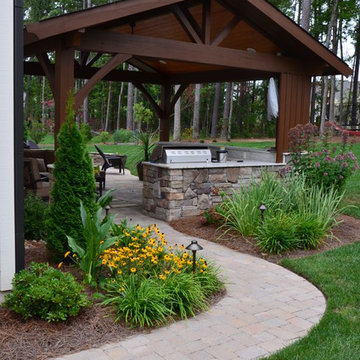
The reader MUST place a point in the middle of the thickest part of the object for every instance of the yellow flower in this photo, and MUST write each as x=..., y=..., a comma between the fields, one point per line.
x=133, y=270
x=119, y=272
x=59, y=266
x=103, y=261
x=185, y=255
x=67, y=254
x=182, y=247
x=162, y=277
x=160, y=248
x=167, y=272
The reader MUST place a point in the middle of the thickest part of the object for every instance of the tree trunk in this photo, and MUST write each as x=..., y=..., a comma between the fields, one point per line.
x=215, y=113
x=332, y=88
x=119, y=106
x=326, y=85
x=240, y=105
x=43, y=101
x=305, y=17
x=108, y=108
x=130, y=104
x=341, y=106
x=177, y=117
x=356, y=80
x=226, y=113
x=196, y=117
x=313, y=99
x=230, y=112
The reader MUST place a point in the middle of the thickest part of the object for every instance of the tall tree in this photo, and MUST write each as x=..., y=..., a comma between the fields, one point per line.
x=215, y=113
x=326, y=83
x=226, y=113
x=130, y=104
x=356, y=78
x=108, y=107
x=196, y=116
x=305, y=16
x=177, y=117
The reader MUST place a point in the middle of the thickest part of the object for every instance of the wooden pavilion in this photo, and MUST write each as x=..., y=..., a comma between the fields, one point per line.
x=181, y=42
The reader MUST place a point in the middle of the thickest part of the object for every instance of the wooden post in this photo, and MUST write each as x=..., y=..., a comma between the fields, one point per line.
x=64, y=81
x=165, y=105
x=294, y=108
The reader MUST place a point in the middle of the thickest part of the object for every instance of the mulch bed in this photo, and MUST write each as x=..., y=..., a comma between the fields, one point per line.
x=38, y=339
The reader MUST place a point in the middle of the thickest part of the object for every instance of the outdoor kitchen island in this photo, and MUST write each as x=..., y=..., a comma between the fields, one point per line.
x=175, y=190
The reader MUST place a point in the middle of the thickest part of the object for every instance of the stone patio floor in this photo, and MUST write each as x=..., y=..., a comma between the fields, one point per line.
x=265, y=309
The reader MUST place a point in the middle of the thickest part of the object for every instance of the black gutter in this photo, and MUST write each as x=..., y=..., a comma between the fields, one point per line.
x=18, y=135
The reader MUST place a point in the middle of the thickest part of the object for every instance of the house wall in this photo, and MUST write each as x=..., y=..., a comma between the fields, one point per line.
x=7, y=207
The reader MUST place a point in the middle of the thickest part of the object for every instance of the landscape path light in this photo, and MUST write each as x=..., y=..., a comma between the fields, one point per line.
x=262, y=208
x=194, y=247
x=107, y=209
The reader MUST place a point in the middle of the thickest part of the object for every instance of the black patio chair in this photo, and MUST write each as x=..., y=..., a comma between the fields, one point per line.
x=111, y=160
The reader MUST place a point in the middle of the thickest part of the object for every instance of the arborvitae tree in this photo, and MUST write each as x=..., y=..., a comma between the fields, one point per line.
x=73, y=181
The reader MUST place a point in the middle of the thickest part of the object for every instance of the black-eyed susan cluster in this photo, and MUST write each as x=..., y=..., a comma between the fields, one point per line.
x=145, y=251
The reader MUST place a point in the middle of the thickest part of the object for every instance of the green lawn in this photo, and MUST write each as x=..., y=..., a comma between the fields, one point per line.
x=337, y=274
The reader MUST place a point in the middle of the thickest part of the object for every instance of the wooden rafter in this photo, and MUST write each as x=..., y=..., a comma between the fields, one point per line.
x=115, y=61
x=48, y=69
x=111, y=42
x=225, y=31
x=158, y=110
x=188, y=23
x=177, y=95
x=206, y=22
x=141, y=65
x=94, y=59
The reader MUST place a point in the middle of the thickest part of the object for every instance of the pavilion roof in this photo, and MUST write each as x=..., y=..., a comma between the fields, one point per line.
x=177, y=41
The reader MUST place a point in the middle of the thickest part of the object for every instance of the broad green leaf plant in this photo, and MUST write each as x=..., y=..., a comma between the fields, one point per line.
x=96, y=233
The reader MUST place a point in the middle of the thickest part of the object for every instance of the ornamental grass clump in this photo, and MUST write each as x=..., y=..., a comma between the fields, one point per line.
x=323, y=163
x=298, y=215
x=148, y=281
x=47, y=293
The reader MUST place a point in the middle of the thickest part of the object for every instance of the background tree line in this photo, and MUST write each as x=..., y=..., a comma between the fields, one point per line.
x=226, y=110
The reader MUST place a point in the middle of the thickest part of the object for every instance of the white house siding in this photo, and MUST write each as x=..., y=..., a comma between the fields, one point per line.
x=7, y=211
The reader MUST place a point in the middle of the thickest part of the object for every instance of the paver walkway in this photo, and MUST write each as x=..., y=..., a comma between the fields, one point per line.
x=266, y=306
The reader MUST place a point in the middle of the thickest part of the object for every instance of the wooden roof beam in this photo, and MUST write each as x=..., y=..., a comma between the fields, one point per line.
x=206, y=22
x=48, y=69
x=188, y=23
x=115, y=61
x=34, y=68
x=91, y=17
x=157, y=108
x=225, y=31
x=157, y=48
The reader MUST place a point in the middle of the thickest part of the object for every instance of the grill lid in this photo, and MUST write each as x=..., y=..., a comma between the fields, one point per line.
x=187, y=156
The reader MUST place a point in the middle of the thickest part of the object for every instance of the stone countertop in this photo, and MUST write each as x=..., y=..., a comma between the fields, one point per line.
x=204, y=165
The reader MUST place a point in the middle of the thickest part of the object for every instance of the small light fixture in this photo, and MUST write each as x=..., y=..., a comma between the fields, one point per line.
x=251, y=50
x=162, y=62
x=107, y=209
x=262, y=208
x=194, y=247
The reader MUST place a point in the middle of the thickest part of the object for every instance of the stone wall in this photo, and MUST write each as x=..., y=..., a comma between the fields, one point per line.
x=169, y=194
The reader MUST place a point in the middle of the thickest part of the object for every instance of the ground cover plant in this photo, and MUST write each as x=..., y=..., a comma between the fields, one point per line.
x=297, y=216
x=337, y=274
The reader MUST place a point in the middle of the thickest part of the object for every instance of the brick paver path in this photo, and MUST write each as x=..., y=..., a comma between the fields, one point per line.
x=266, y=306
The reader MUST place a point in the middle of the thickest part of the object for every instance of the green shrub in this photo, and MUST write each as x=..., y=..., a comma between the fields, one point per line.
x=277, y=234
x=323, y=163
x=37, y=131
x=47, y=293
x=123, y=136
x=86, y=132
x=74, y=181
x=34, y=215
x=104, y=137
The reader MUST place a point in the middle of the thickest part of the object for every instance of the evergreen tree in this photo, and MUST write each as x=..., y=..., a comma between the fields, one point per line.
x=73, y=181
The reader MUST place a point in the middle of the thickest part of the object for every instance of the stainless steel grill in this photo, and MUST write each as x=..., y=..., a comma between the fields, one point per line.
x=173, y=156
